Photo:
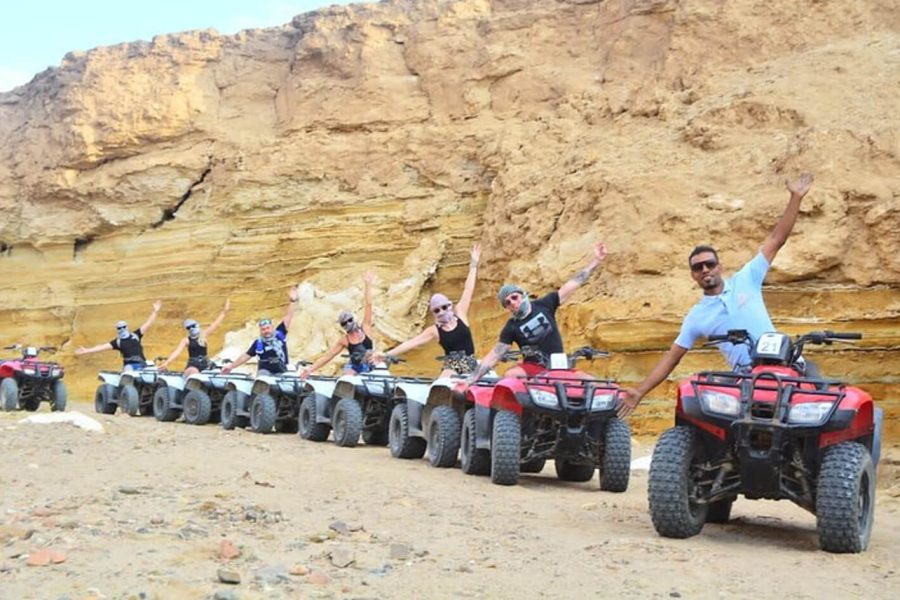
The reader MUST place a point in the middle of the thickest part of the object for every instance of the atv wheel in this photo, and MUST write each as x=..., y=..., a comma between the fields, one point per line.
x=567, y=471
x=472, y=460
x=129, y=401
x=719, y=511
x=263, y=412
x=535, y=465
x=506, y=440
x=673, y=507
x=231, y=403
x=310, y=429
x=197, y=407
x=163, y=399
x=403, y=446
x=103, y=403
x=375, y=437
x=615, y=466
x=845, y=499
x=347, y=422
x=9, y=393
x=60, y=397
x=443, y=437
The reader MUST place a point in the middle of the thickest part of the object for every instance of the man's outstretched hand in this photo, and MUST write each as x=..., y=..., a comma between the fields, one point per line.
x=628, y=401
x=800, y=186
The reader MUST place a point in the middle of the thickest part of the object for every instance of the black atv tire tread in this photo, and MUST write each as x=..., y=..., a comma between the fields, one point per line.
x=401, y=444
x=229, y=419
x=102, y=405
x=375, y=437
x=477, y=461
x=9, y=393
x=719, y=511
x=506, y=439
x=567, y=471
x=615, y=465
x=309, y=428
x=162, y=404
x=60, y=397
x=667, y=487
x=204, y=407
x=287, y=426
x=129, y=400
x=843, y=469
x=347, y=422
x=535, y=465
x=262, y=420
x=443, y=444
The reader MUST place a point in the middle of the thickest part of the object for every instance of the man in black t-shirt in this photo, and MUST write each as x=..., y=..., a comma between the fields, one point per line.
x=271, y=345
x=533, y=323
x=128, y=343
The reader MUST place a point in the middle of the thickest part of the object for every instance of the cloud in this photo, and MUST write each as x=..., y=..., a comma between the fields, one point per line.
x=11, y=78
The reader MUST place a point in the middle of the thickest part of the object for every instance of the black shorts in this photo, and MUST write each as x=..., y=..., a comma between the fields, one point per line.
x=200, y=363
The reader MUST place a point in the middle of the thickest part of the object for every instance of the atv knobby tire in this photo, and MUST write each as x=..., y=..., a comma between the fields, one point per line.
x=673, y=511
x=197, y=407
x=9, y=393
x=443, y=437
x=60, y=397
x=401, y=444
x=287, y=425
x=347, y=422
x=615, y=466
x=103, y=399
x=472, y=460
x=231, y=403
x=506, y=438
x=567, y=471
x=310, y=428
x=129, y=400
x=845, y=498
x=535, y=465
x=263, y=412
x=719, y=511
x=375, y=436
x=163, y=399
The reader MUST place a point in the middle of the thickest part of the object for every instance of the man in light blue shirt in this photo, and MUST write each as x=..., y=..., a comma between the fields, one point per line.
x=735, y=303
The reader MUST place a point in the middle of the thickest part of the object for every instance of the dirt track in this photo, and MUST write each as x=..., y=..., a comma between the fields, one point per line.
x=144, y=507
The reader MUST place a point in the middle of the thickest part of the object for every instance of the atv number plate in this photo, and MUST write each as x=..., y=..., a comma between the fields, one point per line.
x=770, y=344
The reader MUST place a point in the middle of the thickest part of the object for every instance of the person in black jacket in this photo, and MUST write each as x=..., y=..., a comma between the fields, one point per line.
x=128, y=343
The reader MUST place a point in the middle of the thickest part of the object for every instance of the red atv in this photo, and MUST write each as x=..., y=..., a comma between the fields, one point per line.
x=26, y=382
x=772, y=431
x=562, y=414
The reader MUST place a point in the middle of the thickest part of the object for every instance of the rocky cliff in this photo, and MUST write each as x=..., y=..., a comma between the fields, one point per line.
x=391, y=136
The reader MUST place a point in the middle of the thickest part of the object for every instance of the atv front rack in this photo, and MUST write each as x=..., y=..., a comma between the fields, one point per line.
x=572, y=392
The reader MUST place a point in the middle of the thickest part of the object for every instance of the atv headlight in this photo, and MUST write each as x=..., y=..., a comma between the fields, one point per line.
x=544, y=398
x=28, y=370
x=809, y=413
x=603, y=400
x=719, y=402
x=56, y=373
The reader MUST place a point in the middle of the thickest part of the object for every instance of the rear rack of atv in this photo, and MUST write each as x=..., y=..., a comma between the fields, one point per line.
x=784, y=387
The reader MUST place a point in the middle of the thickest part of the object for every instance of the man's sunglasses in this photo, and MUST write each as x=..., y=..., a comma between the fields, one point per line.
x=709, y=264
x=265, y=322
x=121, y=327
x=346, y=322
x=511, y=298
x=438, y=310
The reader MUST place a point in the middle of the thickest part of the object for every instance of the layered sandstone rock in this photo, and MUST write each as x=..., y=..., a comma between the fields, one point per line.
x=198, y=166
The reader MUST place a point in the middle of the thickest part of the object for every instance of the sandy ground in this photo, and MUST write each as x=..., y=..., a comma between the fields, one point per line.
x=142, y=509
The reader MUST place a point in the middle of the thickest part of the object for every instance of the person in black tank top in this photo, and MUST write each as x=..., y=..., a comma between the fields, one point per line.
x=128, y=343
x=357, y=340
x=196, y=342
x=451, y=329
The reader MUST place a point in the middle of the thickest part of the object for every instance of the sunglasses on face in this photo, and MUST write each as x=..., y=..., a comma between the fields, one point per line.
x=265, y=322
x=709, y=264
x=122, y=328
x=346, y=322
x=512, y=298
x=438, y=310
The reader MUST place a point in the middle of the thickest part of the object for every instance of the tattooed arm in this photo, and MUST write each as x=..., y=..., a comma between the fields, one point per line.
x=488, y=362
x=569, y=287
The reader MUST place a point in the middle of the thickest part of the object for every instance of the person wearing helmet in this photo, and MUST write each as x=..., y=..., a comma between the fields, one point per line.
x=357, y=339
x=196, y=342
x=533, y=322
x=451, y=329
x=271, y=345
x=128, y=343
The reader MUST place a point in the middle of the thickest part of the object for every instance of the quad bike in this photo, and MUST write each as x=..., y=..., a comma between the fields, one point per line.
x=562, y=414
x=26, y=382
x=205, y=393
x=131, y=391
x=167, y=399
x=769, y=431
x=275, y=400
x=429, y=415
x=359, y=405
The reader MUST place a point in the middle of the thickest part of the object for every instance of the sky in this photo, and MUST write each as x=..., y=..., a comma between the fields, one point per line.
x=37, y=34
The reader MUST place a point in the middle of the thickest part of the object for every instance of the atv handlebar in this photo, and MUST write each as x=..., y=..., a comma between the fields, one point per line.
x=843, y=336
